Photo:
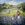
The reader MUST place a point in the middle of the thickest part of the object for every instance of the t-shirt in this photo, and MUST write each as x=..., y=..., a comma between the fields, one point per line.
x=18, y=17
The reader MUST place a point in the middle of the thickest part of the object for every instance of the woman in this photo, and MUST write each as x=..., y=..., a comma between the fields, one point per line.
x=19, y=19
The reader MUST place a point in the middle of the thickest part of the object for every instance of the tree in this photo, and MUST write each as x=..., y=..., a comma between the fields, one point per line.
x=5, y=6
x=23, y=6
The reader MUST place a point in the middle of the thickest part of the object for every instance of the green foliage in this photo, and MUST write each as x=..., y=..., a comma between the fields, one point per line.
x=1, y=9
x=5, y=6
x=23, y=7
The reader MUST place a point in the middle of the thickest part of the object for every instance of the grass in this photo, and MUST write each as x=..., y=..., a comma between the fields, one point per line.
x=14, y=13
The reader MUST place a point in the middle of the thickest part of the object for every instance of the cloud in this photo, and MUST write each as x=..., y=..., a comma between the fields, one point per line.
x=10, y=0
x=14, y=3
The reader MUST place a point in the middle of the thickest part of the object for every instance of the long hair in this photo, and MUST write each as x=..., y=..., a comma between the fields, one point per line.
x=17, y=13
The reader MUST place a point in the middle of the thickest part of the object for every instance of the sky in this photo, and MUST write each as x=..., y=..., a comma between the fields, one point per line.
x=14, y=2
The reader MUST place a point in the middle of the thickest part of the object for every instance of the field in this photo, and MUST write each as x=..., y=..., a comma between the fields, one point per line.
x=12, y=13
